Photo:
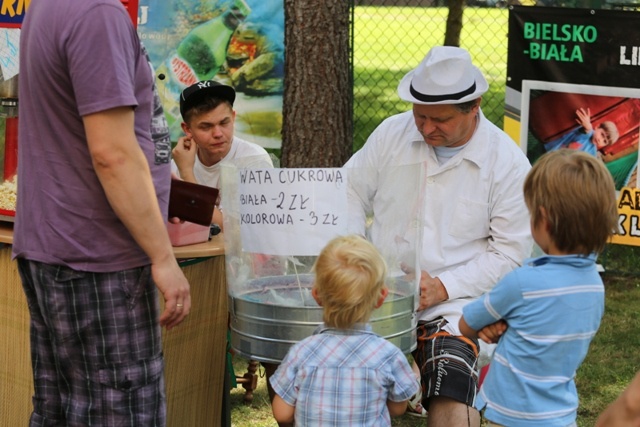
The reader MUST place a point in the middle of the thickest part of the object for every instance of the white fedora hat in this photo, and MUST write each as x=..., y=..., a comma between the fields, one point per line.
x=445, y=76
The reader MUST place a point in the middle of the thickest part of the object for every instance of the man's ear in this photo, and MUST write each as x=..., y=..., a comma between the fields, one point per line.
x=186, y=129
x=314, y=294
x=476, y=107
x=383, y=295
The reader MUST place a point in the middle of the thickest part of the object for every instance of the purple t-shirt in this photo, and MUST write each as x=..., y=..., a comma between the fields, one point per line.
x=77, y=58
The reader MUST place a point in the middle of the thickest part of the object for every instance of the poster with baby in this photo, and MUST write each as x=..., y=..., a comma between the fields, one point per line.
x=573, y=82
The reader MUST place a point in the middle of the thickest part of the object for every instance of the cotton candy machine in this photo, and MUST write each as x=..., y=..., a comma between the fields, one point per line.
x=276, y=222
x=275, y=312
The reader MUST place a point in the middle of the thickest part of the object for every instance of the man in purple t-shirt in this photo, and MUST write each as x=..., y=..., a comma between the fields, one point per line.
x=90, y=236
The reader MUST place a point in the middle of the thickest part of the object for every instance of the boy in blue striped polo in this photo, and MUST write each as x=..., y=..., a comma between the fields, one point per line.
x=344, y=374
x=544, y=314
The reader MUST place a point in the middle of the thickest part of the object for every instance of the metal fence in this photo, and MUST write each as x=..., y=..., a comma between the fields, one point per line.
x=390, y=37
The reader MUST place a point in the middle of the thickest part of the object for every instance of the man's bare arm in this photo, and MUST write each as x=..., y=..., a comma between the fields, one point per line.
x=124, y=175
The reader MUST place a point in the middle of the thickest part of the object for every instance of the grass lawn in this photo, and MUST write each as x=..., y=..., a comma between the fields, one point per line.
x=610, y=365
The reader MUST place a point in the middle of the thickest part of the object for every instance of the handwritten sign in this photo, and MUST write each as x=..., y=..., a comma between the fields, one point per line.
x=9, y=52
x=628, y=217
x=291, y=211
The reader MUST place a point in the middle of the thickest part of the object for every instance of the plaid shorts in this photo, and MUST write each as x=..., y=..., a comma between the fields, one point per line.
x=96, y=347
x=448, y=363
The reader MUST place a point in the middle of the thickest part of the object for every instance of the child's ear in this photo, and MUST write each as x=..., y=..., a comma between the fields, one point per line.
x=543, y=212
x=314, y=294
x=383, y=295
x=544, y=218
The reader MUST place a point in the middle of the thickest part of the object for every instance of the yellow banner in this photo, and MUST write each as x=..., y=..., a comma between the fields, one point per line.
x=629, y=217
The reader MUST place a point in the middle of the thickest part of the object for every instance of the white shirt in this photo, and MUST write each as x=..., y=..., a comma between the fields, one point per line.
x=472, y=220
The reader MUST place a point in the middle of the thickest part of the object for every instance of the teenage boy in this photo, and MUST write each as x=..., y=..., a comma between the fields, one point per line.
x=207, y=110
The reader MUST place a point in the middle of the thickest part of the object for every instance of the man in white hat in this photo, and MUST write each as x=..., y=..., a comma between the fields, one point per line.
x=471, y=215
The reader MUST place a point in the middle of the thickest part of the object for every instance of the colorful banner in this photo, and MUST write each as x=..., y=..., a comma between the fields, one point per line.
x=236, y=42
x=573, y=82
x=12, y=12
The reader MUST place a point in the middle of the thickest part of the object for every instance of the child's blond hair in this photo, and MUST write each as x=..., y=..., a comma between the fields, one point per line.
x=611, y=131
x=350, y=274
x=578, y=194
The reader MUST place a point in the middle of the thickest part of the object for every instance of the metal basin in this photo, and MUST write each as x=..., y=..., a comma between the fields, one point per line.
x=273, y=313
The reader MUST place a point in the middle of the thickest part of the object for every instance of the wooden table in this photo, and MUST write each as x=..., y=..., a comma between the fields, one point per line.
x=194, y=351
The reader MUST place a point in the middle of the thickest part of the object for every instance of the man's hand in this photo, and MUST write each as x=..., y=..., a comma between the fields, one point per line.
x=184, y=154
x=492, y=333
x=584, y=119
x=432, y=291
x=173, y=286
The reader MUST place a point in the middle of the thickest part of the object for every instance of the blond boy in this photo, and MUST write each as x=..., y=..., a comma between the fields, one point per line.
x=344, y=374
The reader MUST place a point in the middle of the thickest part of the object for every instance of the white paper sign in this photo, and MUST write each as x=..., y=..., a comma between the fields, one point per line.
x=9, y=51
x=292, y=211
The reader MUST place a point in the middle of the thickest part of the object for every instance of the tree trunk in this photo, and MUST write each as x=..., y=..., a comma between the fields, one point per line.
x=454, y=23
x=317, y=113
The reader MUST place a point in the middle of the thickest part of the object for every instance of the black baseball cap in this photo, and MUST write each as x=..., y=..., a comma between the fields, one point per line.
x=198, y=91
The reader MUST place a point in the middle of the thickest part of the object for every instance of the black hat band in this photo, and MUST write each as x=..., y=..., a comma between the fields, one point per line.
x=437, y=98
